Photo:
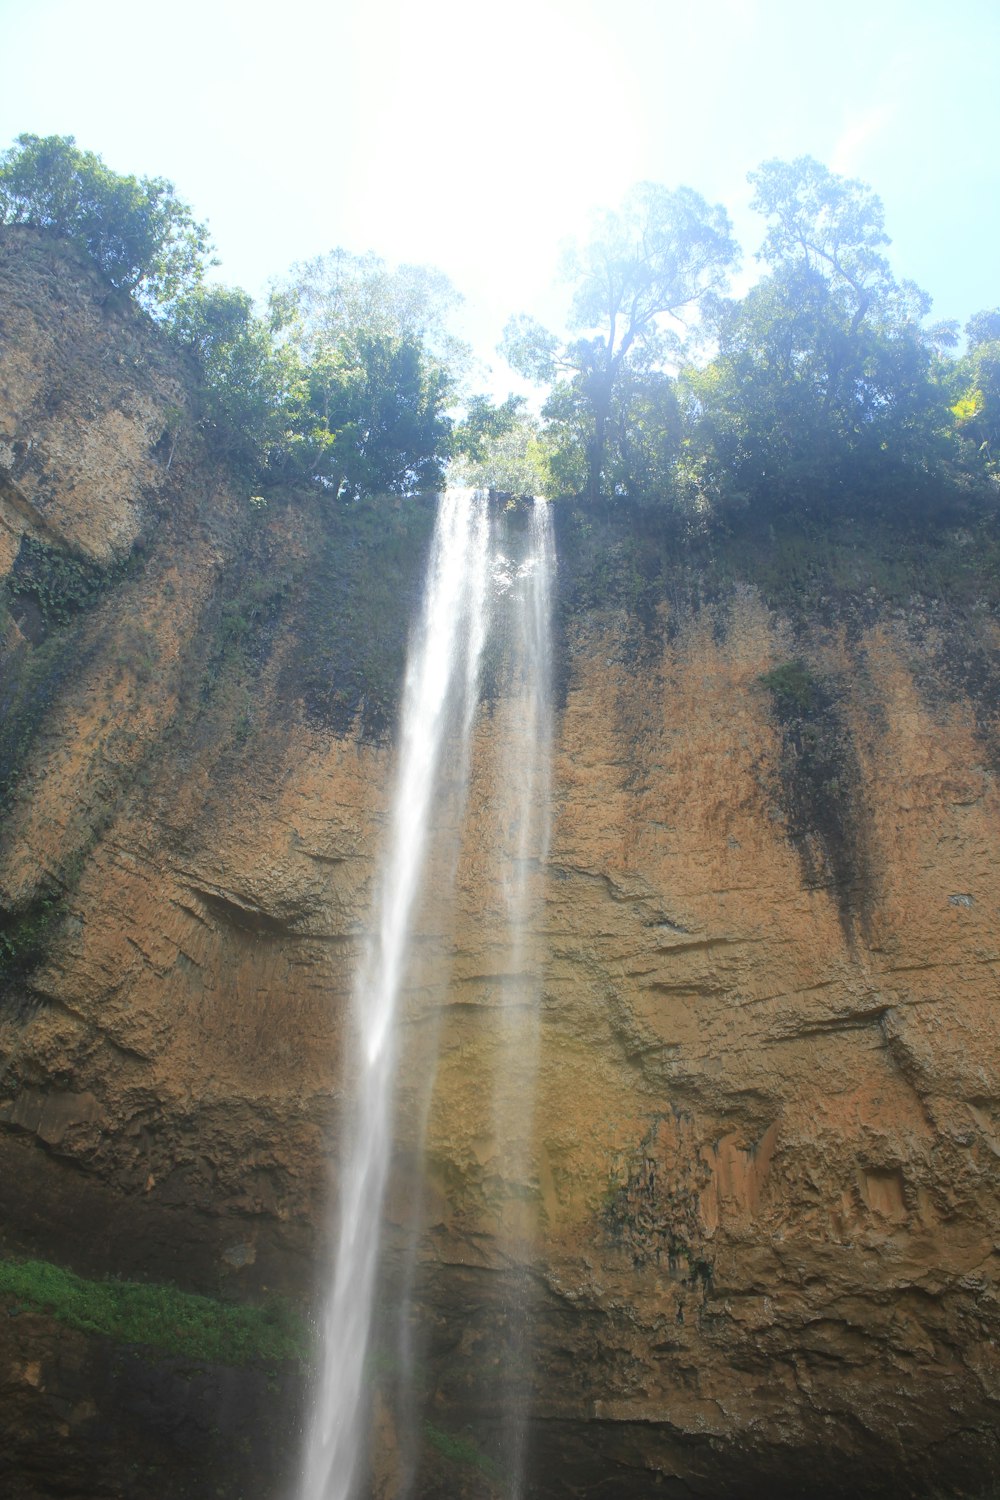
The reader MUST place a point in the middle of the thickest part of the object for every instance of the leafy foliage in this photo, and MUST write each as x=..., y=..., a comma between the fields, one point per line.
x=803, y=402
x=379, y=370
x=249, y=380
x=484, y=425
x=159, y=1316
x=372, y=420
x=346, y=380
x=143, y=237
x=825, y=223
x=500, y=449
x=60, y=584
x=337, y=293
x=460, y=1450
x=338, y=385
x=658, y=257
x=977, y=385
x=824, y=387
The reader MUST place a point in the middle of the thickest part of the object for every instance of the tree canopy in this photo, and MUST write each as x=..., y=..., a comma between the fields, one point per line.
x=381, y=369
x=650, y=262
x=143, y=237
x=823, y=385
x=250, y=381
x=338, y=385
x=824, y=223
x=500, y=447
x=977, y=385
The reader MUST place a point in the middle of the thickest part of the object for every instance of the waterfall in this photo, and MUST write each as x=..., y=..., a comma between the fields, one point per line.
x=438, y=714
x=439, y=696
x=516, y=1066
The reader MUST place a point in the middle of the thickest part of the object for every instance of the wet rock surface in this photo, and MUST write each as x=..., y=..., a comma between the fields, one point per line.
x=82, y=1415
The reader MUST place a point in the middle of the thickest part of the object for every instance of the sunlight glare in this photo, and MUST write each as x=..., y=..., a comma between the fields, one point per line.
x=488, y=137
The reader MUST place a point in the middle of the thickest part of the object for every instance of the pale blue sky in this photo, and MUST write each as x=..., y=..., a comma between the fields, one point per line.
x=479, y=137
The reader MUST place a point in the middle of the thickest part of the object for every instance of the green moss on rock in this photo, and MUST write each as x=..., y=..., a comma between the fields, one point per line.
x=160, y=1317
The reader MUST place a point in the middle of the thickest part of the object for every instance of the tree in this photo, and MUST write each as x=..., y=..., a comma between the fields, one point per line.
x=337, y=293
x=976, y=383
x=824, y=223
x=250, y=383
x=646, y=430
x=485, y=422
x=379, y=366
x=649, y=264
x=825, y=383
x=372, y=420
x=138, y=231
x=500, y=448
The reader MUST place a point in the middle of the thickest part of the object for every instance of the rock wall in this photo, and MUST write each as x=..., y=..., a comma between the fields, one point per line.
x=760, y=1217
x=766, y=1131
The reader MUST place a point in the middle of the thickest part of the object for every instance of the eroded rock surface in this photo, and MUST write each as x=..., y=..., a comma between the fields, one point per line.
x=760, y=1218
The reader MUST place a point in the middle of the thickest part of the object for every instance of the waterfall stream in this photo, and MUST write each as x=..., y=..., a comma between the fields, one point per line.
x=515, y=1071
x=438, y=714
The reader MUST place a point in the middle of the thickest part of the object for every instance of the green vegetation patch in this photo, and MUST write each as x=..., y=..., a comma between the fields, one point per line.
x=159, y=1316
x=819, y=788
x=340, y=611
x=460, y=1450
x=792, y=684
x=25, y=935
x=46, y=593
x=807, y=565
x=29, y=686
x=60, y=584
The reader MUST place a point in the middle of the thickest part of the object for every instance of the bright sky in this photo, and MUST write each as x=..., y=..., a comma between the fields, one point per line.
x=478, y=137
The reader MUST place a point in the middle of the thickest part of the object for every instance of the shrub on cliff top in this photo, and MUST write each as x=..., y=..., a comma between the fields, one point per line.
x=142, y=236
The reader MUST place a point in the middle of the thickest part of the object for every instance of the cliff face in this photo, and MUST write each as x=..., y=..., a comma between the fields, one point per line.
x=760, y=1216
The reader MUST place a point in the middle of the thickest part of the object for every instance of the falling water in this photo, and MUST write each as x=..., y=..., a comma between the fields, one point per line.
x=439, y=699
x=528, y=757
x=438, y=713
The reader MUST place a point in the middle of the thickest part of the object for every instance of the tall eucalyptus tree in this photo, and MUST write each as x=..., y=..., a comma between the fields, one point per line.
x=648, y=267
